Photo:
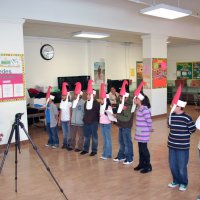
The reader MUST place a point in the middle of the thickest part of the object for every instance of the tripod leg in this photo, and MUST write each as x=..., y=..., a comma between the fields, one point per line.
x=16, y=162
x=7, y=147
x=40, y=156
x=17, y=146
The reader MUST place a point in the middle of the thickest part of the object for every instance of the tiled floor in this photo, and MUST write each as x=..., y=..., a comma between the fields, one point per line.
x=90, y=178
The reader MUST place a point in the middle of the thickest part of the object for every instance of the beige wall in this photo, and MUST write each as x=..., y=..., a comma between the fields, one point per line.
x=70, y=60
x=75, y=58
x=181, y=54
x=11, y=40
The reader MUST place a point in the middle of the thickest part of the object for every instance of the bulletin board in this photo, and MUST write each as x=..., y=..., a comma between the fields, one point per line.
x=12, y=77
x=196, y=70
x=184, y=70
x=159, y=72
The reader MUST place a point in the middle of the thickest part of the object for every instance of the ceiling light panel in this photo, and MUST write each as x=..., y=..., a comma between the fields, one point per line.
x=91, y=35
x=166, y=11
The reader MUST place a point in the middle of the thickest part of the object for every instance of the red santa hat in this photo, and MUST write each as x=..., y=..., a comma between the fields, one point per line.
x=138, y=90
x=48, y=94
x=89, y=88
x=77, y=89
x=78, y=92
x=176, y=101
x=124, y=94
x=103, y=94
x=123, y=89
x=64, y=89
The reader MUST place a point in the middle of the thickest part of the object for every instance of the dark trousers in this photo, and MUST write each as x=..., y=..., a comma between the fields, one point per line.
x=144, y=155
x=90, y=131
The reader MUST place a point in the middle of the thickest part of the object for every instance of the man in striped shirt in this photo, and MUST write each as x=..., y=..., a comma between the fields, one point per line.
x=181, y=127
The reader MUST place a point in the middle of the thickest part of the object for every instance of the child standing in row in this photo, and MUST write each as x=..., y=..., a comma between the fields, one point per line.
x=105, y=123
x=125, y=123
x=64, y=117
x=51, y=118
x=181, y=127
x=91, y=121
x=77, y=119
x=143, y=130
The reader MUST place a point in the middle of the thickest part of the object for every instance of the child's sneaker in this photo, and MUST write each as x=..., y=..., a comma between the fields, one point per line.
x=103, y=158
x=172, y=185
x=126, y=162
x=118, y=159
x=55, y=146
x=182, y=187
x=47, y=145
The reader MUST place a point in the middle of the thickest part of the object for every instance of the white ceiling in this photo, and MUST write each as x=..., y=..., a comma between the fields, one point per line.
x=65, y=31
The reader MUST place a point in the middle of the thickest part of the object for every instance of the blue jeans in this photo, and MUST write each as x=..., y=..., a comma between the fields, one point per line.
x=107, y=142
x=90, y=130
x=53, y=135
x=178, y=160
x=125, y=144
x=66, y=132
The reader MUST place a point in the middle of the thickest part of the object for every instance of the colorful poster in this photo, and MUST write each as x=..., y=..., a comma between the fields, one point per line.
x=132, y=72
x=139, y=68
x=11, y=77
x=159, y=72
x=99, y=72
x=196, y=70
x=184, y=70
x=147, y=72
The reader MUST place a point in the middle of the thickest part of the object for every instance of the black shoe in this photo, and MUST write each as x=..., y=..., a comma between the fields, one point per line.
x=146, y=170
x=77, y=150
x=69, y=148
x=93, y=153
x=138, y=168
x=83, y=152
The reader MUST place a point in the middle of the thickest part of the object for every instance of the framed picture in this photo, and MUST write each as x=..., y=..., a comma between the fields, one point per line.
x=99, y=72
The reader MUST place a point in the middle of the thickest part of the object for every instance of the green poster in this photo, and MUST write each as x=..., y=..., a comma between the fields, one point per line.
x=184, y=70
x=196, y=70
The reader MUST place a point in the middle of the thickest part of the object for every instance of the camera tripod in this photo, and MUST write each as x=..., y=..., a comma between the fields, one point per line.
x=15, y=128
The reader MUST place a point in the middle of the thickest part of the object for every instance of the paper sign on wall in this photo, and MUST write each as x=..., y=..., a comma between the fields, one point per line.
x=11, y=77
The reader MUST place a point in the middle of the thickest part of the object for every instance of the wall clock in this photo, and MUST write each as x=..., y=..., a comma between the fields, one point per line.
x=47, y=52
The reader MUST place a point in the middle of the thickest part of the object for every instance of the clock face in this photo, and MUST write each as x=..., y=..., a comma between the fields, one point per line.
x=47, y=52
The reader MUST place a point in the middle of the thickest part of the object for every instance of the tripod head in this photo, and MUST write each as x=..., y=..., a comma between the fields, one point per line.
x=18, y=116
